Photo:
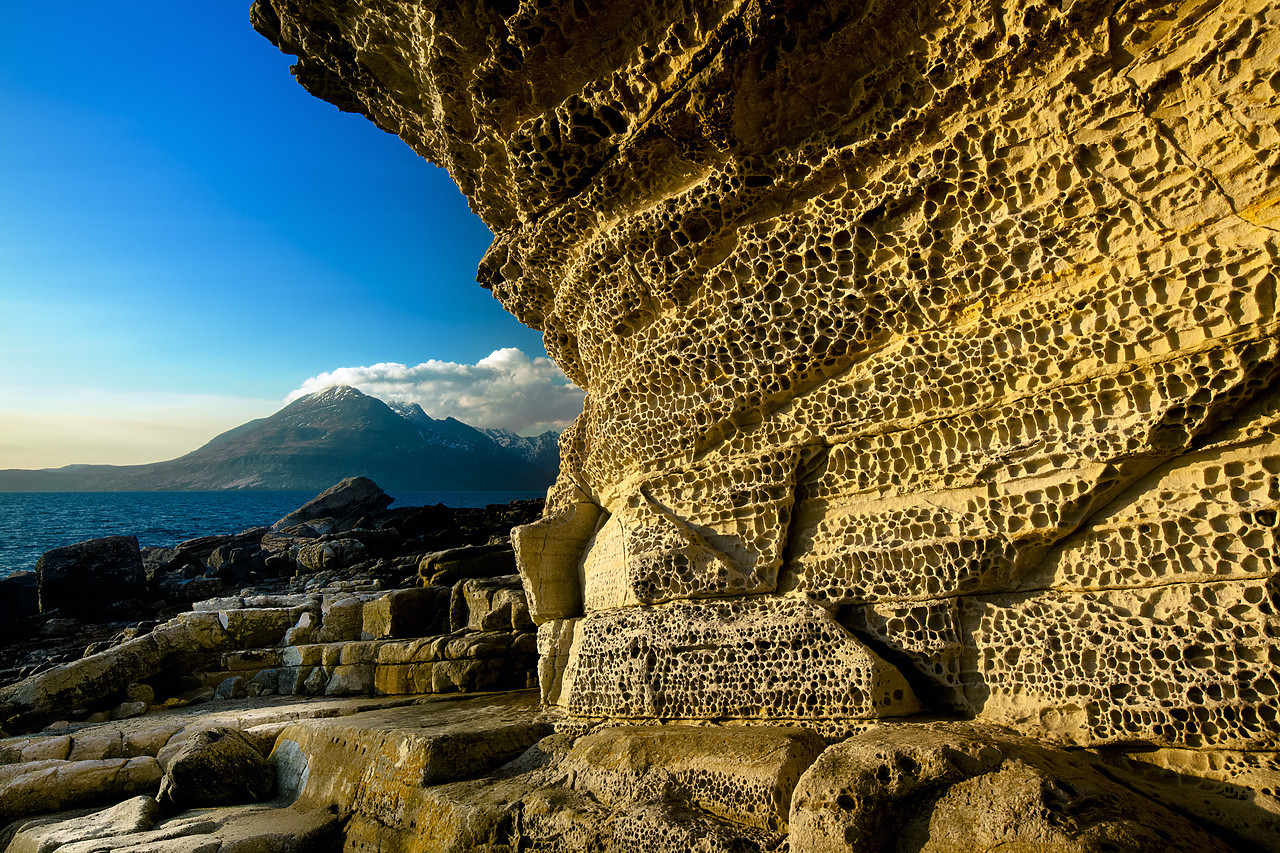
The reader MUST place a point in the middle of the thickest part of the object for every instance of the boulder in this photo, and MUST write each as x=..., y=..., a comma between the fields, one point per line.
x=200, y=551
x=235, y=562
x=958, y=787
x=345, y=504
x=253, y=627
x=417, y=612
x=19, y=600
x=94, y=580
x=490, y=604
x=341, y=618
x=216, y=767
x=445, y=568
x=158, y=562
x=330, y=554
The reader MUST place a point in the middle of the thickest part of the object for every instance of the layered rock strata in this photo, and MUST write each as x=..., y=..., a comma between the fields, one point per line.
x=934, y=342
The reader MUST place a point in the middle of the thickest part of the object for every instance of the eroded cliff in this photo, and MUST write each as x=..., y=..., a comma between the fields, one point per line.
x=930, y=348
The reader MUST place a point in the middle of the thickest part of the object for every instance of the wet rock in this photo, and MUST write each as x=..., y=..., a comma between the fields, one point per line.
x=92, y=580
x=217, y=767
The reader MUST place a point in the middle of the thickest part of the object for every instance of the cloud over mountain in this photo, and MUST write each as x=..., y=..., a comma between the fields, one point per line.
x=506, y=389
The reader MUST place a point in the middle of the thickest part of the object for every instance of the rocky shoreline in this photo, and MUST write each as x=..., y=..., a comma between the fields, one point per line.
x=159, y=677
x=91, y=596
x=348, y=690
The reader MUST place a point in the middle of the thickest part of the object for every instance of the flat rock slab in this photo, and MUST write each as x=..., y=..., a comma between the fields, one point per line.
x=247, y=829
x=135, y=815
x=88, y=765
x=149, y=734
x=377, y=763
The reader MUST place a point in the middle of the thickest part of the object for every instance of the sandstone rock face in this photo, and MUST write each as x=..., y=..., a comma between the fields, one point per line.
x=955, y=788
x=744, y=776
x=956, y=323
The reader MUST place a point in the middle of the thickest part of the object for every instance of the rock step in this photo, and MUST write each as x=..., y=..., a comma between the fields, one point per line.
x=89, y=764
x=484, y=604
x=229, y=639
x=457, y=663
x=432, y=777
x=462, y=662
x=375, y=767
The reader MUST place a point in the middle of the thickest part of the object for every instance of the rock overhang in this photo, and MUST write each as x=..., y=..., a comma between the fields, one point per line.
x=958, y=325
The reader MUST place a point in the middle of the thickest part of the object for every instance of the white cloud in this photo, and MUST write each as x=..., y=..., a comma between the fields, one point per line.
x=505, y=389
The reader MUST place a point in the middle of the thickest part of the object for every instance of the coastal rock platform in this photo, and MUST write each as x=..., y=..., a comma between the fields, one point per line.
x=500, y=772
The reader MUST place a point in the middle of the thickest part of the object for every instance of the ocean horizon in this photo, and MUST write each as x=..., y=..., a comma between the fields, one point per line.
x=32, y=523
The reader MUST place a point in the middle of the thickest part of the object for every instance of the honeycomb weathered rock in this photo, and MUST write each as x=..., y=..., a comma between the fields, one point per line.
x=955, y=319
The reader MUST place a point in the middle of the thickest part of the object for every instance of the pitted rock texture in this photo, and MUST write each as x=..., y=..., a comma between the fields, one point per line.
x=957, y=319
x=749, y=658
x=952, y=788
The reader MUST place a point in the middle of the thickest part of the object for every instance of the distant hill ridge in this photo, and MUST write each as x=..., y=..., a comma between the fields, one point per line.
x=320, y=439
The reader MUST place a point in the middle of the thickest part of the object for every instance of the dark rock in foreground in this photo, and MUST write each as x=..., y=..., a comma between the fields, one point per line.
x=94, y=580
x=217, y=767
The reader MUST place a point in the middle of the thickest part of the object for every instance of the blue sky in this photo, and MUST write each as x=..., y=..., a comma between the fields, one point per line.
x=187, y=238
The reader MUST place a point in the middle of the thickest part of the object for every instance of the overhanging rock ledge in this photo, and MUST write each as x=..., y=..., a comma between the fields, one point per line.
x=927, y=347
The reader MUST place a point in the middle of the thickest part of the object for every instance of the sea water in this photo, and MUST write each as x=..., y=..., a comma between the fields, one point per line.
x=34, y=522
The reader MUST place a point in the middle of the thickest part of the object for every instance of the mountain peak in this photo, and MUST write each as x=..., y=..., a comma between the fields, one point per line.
x=334, y=394
x=322, y=438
